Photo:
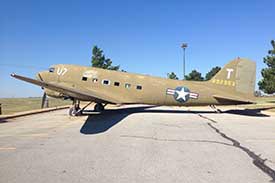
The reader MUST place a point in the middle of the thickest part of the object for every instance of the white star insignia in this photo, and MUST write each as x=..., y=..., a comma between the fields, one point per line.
x=182, y=94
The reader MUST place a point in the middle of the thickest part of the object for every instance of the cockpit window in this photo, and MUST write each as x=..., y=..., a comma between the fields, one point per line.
x=51, y=69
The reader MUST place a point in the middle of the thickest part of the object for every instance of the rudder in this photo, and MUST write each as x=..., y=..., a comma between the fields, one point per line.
x=238, y=75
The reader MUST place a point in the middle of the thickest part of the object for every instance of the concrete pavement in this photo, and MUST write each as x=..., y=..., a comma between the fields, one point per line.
x=139, y=144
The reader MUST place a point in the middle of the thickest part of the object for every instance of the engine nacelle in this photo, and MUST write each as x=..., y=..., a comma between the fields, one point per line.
x=54, y=94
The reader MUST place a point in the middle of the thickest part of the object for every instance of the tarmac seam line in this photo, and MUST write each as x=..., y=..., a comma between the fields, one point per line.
x=257, y=160
x=7, y=148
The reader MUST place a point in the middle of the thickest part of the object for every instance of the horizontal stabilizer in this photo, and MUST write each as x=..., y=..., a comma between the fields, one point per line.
x=232, y=100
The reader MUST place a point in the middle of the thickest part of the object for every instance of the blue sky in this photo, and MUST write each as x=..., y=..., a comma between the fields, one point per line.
x=140, y=36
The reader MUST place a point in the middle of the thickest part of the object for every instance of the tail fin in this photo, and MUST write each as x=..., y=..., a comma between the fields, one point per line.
x=237, y=76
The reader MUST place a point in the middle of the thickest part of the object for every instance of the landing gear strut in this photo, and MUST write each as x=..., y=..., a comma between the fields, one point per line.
x=215, y=109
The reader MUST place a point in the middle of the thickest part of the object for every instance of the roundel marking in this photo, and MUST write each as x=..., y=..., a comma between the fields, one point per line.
x=182, y=94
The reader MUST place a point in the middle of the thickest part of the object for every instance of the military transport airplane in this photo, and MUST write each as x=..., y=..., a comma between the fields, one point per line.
x=234, y=84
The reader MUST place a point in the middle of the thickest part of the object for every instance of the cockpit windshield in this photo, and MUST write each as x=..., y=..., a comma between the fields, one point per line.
x=51, y=69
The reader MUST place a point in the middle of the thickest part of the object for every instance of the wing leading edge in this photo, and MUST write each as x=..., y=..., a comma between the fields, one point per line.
x=72, y=92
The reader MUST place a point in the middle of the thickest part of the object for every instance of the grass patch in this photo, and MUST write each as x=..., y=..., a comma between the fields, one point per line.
x=265, y=100
x=263, y=103
x=13, y=105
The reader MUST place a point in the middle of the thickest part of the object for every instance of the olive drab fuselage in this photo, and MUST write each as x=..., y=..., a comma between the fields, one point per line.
x=234, y=84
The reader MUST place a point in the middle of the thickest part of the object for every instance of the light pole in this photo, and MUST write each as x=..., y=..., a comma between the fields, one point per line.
x=184, y=45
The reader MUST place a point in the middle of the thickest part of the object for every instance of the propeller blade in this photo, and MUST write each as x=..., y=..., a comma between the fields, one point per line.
x=38, y=76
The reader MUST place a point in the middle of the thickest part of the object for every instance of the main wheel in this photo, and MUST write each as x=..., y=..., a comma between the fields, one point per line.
x=99, y=107
x=74, y=111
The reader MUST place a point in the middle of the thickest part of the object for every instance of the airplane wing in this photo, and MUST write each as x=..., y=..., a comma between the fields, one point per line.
x=72, y=92
x=232, y=99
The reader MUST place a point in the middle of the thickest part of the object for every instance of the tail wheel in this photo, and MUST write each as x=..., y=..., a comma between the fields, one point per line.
x=99, y=107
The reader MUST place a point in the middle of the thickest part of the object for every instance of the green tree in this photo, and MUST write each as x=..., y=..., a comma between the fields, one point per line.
x=172, y=75
x=267, y=84
x=99, y=60
x=212, y=73
x=194, y=76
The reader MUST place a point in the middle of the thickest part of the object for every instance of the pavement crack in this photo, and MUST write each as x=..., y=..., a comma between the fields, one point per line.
x=175, y=140
x=209, y=119
x=257, y=160
x=169, y=125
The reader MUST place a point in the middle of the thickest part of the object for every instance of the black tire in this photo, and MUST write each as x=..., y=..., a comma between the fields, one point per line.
x=99, y=107
x=75, y=111
x=72, y=111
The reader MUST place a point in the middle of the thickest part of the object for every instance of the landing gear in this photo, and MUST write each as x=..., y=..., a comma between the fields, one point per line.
x=215, y=109
x=75, y=109
x=99, y=107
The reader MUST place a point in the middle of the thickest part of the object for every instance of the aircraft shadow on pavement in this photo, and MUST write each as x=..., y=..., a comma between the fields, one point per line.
x=101, y=122
x=247, y=112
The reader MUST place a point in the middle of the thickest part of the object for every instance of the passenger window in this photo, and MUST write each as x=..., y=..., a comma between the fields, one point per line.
x=51, y=69
x=84, y=78
x=106, y=82
x=127, y=85
x=94, y=80
x=139, y=87
x=116, y=83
